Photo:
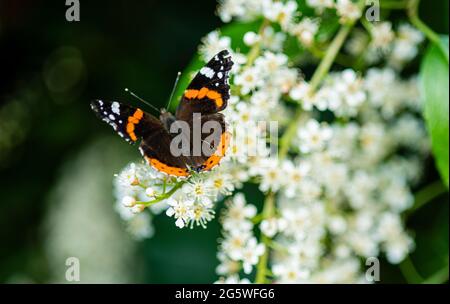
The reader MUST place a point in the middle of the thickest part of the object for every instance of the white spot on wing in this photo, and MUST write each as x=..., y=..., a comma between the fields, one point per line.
x=115, y=107
x=208, y=72
x=220, y=75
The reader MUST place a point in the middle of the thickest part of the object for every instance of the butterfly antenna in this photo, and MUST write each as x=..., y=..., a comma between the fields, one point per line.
x=139, y=98
x=173, y=90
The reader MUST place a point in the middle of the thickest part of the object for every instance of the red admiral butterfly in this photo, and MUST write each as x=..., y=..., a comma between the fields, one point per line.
x=207, y=95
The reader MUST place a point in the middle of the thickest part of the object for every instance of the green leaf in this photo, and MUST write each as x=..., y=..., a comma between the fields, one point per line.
x=434, y=78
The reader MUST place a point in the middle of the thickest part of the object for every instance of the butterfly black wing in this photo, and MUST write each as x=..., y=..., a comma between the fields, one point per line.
x=129, y=122
x=209, y=91
x=133, y=124
x=208, y=94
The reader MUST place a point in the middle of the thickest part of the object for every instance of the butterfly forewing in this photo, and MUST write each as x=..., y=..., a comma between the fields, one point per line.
x=209, y=91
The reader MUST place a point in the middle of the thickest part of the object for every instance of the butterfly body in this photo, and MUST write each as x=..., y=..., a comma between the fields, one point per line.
x=200, y=105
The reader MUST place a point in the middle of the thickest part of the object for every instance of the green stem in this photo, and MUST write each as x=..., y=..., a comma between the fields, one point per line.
x=410, y=272
x=340, y=59
x=439, y=277
x=256, y=48
x=164, y=195
x=393, y=5
x=261, y=268
x=412, y=11
x=426, y=195
x=286, y=139
x=330, y=55
x=257, y=219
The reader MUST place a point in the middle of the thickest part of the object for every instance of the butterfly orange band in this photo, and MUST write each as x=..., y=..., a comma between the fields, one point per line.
x=132, y=121
x=205, y=92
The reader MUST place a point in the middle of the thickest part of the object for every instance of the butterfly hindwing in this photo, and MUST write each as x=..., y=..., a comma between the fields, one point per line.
x=213, y=144
x=209, y=91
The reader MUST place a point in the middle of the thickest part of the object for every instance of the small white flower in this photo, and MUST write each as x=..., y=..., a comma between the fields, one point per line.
x=272, y=40
x=382, y=35
x=351, y=88
x=138, y=208
x=181, y=209
x=298, y=222
x=140, y=226
x=250, y=38
x=226, y=265
x=269, y=227
x=201, y=214
x=233, y=279
x=320, y=5
x=221, y=182
x=250, y=254
x=271, y=176
x=300, y=91
x=128, y=201
x=357, y=42
x=200, y=190
x=305, y=30
x=248, y=80
x=150, y=191
x=270, y=62
x=212, y=44
x=280, y=12
x=128, y=176
x=347, y=10
x=234, y=243
x=238, y=214
x=295, y=176
x=313, y=136
x=289, y=272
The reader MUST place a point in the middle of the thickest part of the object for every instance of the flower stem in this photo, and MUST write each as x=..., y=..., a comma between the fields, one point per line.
x=412, y=11
x=426, y=195
x=256, y=48
x=164, y=195
x=286, y=139
x=330, y=55
x=261, y=268
x=410, y=272
x=439, y=277
x=393, y=5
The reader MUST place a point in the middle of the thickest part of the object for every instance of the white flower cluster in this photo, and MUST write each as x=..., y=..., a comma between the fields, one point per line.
x=341, y=193
x=189, y=202
x=284, y=12
x=239, y=249
x=383, y=42
x=350, y=157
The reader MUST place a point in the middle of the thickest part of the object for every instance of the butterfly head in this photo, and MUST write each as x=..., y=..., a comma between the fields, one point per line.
x=166, y=118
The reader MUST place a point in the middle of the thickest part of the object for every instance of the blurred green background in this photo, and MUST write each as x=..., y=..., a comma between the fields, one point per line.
x=57, y=160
